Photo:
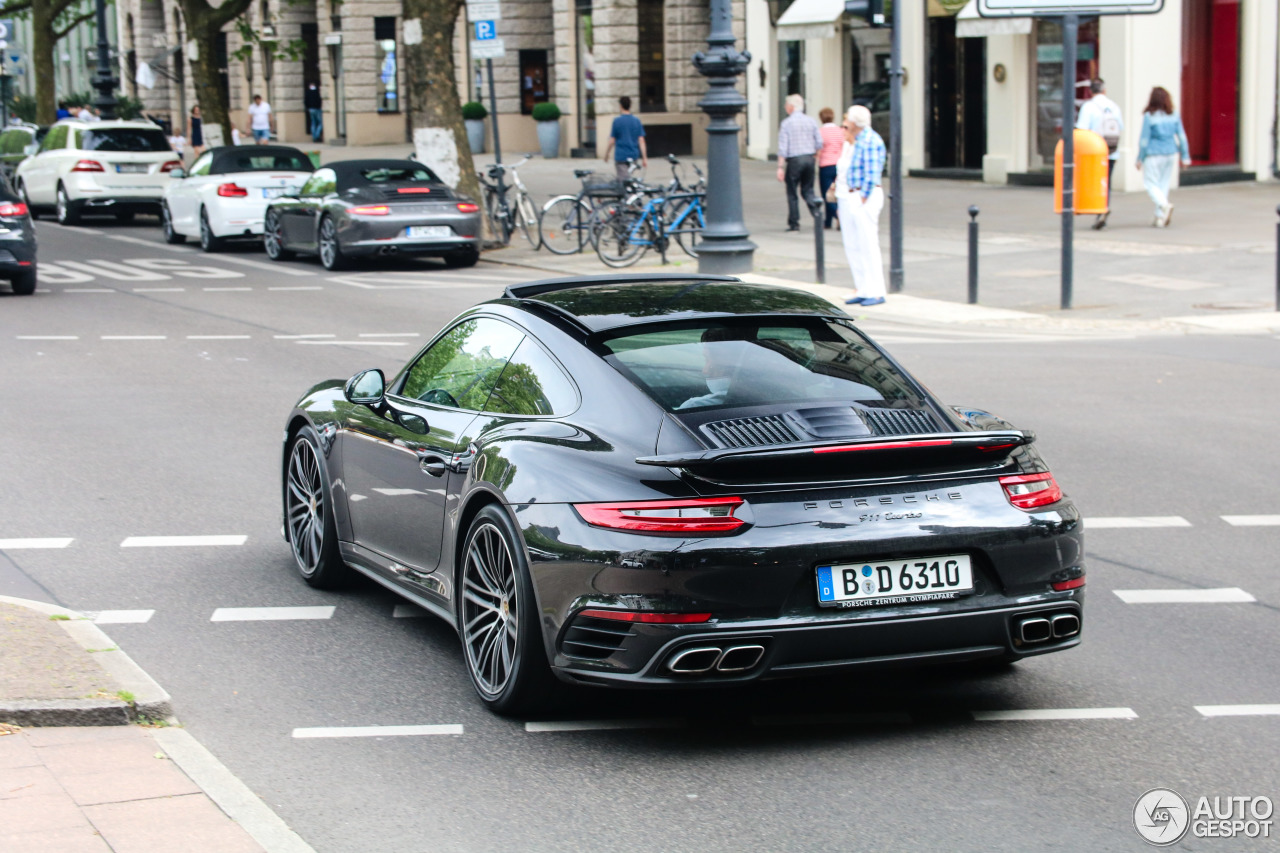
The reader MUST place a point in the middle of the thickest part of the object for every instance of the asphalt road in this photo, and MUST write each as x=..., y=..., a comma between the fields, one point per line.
x=144, y=394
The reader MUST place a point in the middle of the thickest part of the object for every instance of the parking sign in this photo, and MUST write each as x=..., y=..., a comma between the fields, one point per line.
x=485, y=30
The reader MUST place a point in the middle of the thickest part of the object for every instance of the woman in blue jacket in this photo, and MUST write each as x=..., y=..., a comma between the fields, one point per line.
x=1163, y=140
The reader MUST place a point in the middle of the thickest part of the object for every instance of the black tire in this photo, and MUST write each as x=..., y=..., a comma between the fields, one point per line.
x=166, y=225
x=689, y=233
x=563, y=225
x=66, y=211
x=308, y=515
x=209, y=241
x=24, y=283
x=330, y=248
x=614, y=242
x=498, y=619
x=125, y=216
x=273, y=238
x=22, y=194
x=461, y=258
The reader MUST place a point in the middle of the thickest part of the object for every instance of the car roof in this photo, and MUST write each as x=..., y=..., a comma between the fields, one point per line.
x=601, y=303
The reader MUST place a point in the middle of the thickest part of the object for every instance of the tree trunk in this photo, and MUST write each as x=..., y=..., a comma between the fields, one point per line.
x=207, y=81
x=43, y=41
x=434, y=108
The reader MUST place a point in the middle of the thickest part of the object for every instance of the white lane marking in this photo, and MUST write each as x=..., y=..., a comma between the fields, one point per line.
x=88, y=290
x=225, y=289
x=54, y=274
x=302, y=287
x=271, y=614
x=1136, y=521
x=1225, y=595
x=180, y=541
x=123, y=617
x=284, y=269
x=408, y=611
x=358, y=497
x=159, y=290
x=16, y=544
x=1056, y=714
x=48, y=337
x=133, y=337
x=378, y=731
x=1238, y=710
x=357, y=343
x=601, y=725
x=115, y=270
x=299, y=337
x=390, y=335
x=1252, y=520
x=182, y=268
x=80, y=229
x=834, y=719
x=150, y=244
x=217, y=337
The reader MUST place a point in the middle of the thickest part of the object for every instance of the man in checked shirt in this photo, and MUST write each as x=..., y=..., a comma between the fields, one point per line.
x=860, y=211
x=799, y=140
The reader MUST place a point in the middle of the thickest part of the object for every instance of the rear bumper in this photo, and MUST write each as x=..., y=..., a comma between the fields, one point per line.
x=17, y=248
x=377, y=235
x=238, y=217
x=92, y=188
x=116, y=204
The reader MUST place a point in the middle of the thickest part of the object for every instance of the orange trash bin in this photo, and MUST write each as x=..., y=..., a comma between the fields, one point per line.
x=1091, y=155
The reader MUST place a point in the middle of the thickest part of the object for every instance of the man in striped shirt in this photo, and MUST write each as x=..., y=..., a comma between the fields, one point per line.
x=867, y=199
x=799, y=140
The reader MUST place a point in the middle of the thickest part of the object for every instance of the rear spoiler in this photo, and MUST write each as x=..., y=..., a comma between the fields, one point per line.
x=941, y=449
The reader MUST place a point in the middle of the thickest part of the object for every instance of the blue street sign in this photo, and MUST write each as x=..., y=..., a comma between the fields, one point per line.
x=485, y=30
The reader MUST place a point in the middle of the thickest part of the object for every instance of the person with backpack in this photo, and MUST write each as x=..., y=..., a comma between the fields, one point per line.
x=1163, y=139
x=1102, y=115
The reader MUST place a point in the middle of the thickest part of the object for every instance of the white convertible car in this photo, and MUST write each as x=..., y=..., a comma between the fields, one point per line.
x=227, y=191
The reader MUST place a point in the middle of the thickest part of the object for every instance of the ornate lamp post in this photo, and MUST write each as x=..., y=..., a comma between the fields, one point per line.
x=103, y=80
x=725, y=248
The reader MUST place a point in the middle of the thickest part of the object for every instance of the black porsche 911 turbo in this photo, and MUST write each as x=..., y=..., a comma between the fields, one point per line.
x=358, y=208
x=680, y=481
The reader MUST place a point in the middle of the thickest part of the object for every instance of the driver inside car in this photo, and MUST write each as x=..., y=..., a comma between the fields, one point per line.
x=719, y=366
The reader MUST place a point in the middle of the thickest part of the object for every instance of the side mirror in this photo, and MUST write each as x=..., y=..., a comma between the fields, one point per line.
x=366, y=388
x=177, y=173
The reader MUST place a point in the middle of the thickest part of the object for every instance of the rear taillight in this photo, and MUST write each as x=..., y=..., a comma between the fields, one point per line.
x=1029, y=491
x=695, y=515
x=13, y=209
x=370, y=210
x=1063, y=586
x=171, y=165
x=232, y=191
x=88, y=166
x=648, y=618
x=467, y=207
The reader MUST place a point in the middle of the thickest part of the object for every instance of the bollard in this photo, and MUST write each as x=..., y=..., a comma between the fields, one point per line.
x=973, y=254
x=819, y=246
x=1278, y=259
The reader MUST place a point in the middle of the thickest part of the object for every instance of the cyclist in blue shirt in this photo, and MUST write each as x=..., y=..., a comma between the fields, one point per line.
x=628, y=134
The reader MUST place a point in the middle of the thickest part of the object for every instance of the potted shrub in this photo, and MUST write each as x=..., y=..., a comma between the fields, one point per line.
x=473, y=115
x=548, y=118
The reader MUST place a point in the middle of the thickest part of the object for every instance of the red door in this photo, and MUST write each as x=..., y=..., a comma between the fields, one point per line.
x=1211, y=79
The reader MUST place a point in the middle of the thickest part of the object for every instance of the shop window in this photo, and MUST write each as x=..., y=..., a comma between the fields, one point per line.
x=1048, y=59
x=653, y=66
x=533, y=79
x=384, y=35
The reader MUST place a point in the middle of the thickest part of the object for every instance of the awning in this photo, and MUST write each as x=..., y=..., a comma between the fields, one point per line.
x=810, y=19
x=969, y=24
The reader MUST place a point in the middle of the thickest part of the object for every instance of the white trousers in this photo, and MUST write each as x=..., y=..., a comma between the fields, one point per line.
x=1157, y=175
x=860, y=229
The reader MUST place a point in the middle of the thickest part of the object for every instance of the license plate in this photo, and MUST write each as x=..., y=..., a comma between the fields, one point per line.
x=131, y=168
x=894, y=582
x=272, y=192
x=428, y=231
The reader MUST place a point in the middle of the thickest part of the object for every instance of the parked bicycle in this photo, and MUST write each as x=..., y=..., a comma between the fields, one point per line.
x=568, y=223
x=511, y=207
x=650, y=218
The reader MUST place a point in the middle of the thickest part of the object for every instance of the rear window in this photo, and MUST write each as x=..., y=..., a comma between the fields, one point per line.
x=396, y=175
x=125, y=139
x=709, y=365
x=288, y=161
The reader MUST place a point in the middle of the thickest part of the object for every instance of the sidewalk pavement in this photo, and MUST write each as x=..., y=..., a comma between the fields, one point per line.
x=92, y=760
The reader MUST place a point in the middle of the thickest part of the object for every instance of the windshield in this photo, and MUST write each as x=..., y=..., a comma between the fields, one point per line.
x=714, y=364
x=291, y=161
x=125, y=139
x=396, y=175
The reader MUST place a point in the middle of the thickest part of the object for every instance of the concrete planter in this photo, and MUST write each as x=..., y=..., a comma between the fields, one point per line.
x=549, y=138
x=475, y=134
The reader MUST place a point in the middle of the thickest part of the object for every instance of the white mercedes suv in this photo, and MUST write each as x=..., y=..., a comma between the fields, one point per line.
x=101, y=167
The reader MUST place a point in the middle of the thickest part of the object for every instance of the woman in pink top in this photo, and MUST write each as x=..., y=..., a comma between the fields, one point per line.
x=832, y=143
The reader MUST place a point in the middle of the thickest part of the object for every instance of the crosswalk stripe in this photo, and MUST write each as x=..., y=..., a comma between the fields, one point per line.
x=377, y=731
x=1238, y=710
x=23, y=544
x=271, y=614
x=123, y=617
x=1252, y=520
x=600, y=725
x=1136, y=521
x=1039, y=714
x=1225, y=595
x=181, y=541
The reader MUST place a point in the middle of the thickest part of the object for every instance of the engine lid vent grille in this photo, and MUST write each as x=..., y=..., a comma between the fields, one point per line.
x=832, y=422
x=751, y=432
x=899, y=421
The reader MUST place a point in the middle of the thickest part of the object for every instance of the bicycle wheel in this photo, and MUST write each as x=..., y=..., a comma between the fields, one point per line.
x=563, y=223
x=689, y=234
x=621, y=239
x=527, y=220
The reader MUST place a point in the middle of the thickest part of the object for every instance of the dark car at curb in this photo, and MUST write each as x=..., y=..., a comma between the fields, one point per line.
x=680, y=482
x=364, y=208
x=17, y=242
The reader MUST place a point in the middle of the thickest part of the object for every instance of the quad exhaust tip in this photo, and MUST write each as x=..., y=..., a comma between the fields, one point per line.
x=1065, y=625
x=702, y=659
x=1051, y=626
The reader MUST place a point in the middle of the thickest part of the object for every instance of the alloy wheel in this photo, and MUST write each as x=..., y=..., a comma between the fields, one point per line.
x=490, y=609
x=273, y=239
x=305, y=503
x=328, y=243
x=63, y=206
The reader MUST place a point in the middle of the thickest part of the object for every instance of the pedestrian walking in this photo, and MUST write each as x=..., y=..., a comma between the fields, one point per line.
x=627, y=135
x=315, y=111
x=64, y=111
x=799, y=141
x=1102, y=115
x=832, y=145
x=195, y=131
x=261, y=121
x=860, y=208
x=1163, y=140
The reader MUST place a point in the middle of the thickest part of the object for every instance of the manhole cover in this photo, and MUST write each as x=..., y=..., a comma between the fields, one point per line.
x=1233, y=306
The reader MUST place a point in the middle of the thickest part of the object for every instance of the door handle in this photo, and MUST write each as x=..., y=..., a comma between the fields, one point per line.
x=432, y=463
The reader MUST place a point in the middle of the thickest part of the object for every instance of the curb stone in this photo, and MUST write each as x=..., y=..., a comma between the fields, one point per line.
x=150, y=699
